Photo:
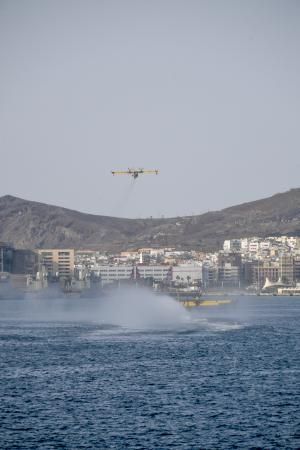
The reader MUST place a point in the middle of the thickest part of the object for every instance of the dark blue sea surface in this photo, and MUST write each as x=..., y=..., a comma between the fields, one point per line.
x=220, y=378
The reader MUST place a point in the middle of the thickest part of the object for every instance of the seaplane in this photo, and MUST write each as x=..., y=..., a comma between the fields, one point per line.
x=135, y=173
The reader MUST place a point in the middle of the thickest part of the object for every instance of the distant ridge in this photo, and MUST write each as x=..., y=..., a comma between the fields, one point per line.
x=29, y=224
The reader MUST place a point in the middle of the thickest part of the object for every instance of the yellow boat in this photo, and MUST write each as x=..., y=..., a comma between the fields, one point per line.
x=190, y=303
x=196, y=303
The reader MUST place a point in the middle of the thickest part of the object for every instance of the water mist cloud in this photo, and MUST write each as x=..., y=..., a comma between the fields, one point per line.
x=141, y=309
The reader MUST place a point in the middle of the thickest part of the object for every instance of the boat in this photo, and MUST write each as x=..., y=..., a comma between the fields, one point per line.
x=218, y=302
x=204, y=303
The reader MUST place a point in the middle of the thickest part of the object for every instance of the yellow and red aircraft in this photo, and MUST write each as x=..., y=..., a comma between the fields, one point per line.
x=134, y=172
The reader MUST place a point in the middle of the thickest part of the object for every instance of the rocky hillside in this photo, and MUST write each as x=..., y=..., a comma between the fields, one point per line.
x=30, y=224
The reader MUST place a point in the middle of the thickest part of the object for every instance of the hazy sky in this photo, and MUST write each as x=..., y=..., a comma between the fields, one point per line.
x=208, y=92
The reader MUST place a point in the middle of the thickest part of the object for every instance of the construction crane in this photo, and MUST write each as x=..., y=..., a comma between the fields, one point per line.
x=134, y=172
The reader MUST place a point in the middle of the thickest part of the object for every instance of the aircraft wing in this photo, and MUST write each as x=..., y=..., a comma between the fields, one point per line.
x=120, y=172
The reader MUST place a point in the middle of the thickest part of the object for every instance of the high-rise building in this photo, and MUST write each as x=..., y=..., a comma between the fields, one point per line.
x=287, y=268
x=297, y=269
x=229, y=275
x=209, y=275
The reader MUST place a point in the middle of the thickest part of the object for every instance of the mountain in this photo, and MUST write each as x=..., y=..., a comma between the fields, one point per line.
x=29, y=224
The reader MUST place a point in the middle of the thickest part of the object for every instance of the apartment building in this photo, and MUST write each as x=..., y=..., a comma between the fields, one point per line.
x=287, y=268
x=228, y=274
x=210, y=275
x=58, y=262
x=232, y=245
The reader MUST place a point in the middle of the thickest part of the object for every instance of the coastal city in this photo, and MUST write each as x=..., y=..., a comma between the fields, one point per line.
x=149, y=225
x=257, y=265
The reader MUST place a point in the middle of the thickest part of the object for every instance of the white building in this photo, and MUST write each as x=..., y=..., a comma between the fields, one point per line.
x=109, y=273
x=232, y=245
x=265, y=245
x=253, y=246
x=187, y=272
x=226, y=245
x=292, y=242
x=157, y=272
x=244, y=244
x=121, y=272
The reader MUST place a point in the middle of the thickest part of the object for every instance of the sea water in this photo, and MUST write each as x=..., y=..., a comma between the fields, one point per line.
x=119, y=374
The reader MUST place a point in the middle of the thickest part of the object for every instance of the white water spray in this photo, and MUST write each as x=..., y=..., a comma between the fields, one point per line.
x=123, y=201
x=139, y=308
